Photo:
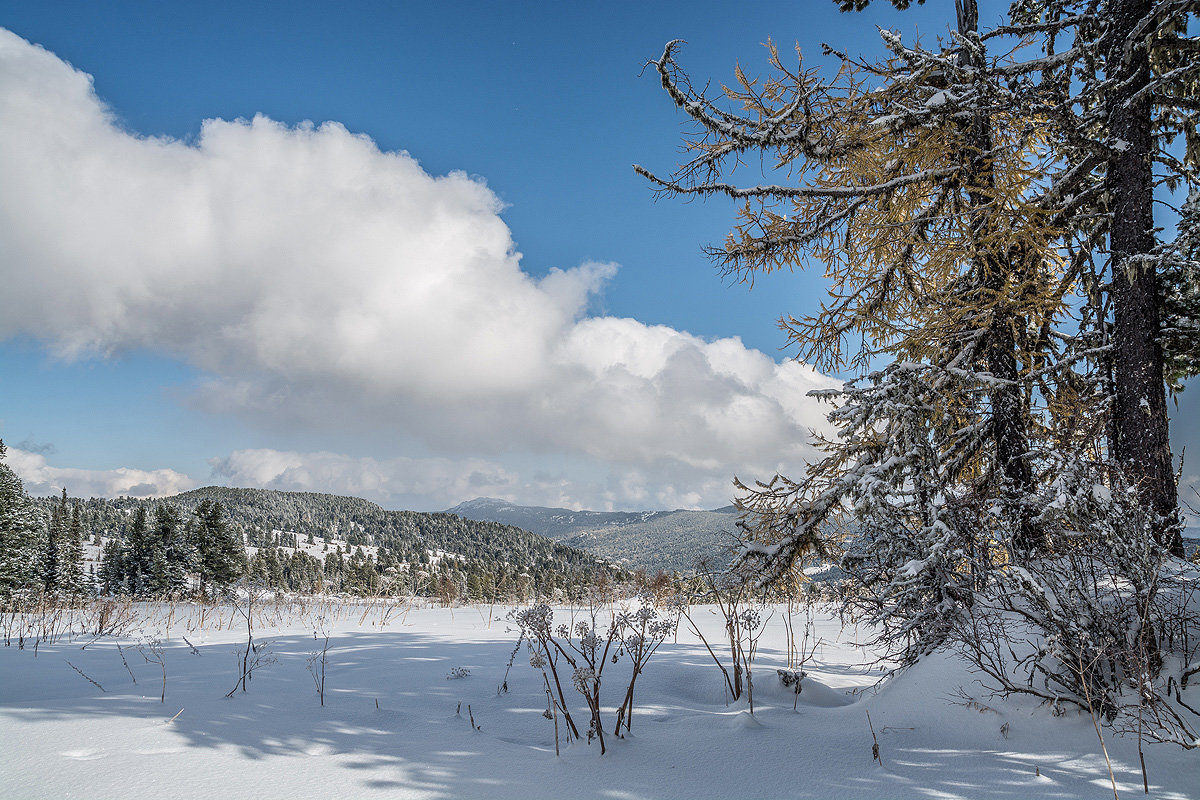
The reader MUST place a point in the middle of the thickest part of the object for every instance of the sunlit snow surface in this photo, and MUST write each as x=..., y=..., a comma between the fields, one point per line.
x=62, y=737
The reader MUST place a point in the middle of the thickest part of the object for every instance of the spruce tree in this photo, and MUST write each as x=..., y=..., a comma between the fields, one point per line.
x=140, y=554
x=173, y=553
x=22, y=531
x=72, y=580
x=1181, y=298
x=56, y=535
x=219, y=548
x=114, y=568
x=274, y=568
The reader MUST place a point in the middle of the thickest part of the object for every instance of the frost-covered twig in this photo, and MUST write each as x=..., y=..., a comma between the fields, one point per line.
x=86, y=677
x=157, y=656
x=318, y=659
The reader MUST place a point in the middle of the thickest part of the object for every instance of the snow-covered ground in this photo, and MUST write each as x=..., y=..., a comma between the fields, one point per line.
x=396, y=722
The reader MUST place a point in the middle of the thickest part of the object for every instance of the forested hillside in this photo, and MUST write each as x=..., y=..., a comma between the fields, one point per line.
x=308, y=541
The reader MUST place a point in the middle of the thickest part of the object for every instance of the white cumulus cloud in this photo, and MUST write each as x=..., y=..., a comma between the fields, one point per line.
x=41, y=479
x=320, y=281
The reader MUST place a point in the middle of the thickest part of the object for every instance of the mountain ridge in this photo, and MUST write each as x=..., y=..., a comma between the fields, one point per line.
x=670, y=541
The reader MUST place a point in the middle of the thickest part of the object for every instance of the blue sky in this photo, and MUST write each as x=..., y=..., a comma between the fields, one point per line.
x=542, y=110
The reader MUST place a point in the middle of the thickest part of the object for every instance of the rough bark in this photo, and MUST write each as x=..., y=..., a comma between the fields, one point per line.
x=1008, y=411
x=1142, y=445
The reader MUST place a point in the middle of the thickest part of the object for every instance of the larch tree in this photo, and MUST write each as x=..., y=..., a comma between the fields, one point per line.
x=956, y=201
x=909, y=182
x=1118, y=81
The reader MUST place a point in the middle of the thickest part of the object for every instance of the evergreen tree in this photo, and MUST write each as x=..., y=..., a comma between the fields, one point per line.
x=141, y=554
x=274, y=569
x=334, y=571
x=22, y=531
x=72, y=580
x=173, y=553
x=220, y=550
x=56, y=535
x=1181, y=300
x=114, y=568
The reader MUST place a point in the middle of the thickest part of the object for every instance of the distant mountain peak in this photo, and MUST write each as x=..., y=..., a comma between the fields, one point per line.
x=479, y=504
x=650, y=539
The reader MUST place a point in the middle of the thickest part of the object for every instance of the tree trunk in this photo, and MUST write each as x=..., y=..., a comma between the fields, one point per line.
x=1142, y=444
x=1009, y=414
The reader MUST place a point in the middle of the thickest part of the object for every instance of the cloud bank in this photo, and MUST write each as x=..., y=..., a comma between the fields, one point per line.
x=41, y=479
x=322, y=282
x=441, y=480
x=439, y=483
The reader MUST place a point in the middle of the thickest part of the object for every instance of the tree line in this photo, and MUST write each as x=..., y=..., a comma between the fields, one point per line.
x=38, y=552
x=204, y=541
x=167, y=554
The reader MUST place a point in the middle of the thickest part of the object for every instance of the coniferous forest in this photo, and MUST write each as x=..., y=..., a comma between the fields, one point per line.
x=204, y=541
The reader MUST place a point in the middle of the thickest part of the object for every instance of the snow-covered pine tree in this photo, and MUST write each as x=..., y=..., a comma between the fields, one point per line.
x=1181, y=298
x=920, y=541
x=72, y=581
x=114, y=568
x=220, y=552
x=56, y=535
x=174, y=556
x=140, y=554
x=22, y=534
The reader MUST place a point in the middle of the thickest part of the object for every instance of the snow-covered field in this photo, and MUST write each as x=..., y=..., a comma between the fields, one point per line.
x=396, y=722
